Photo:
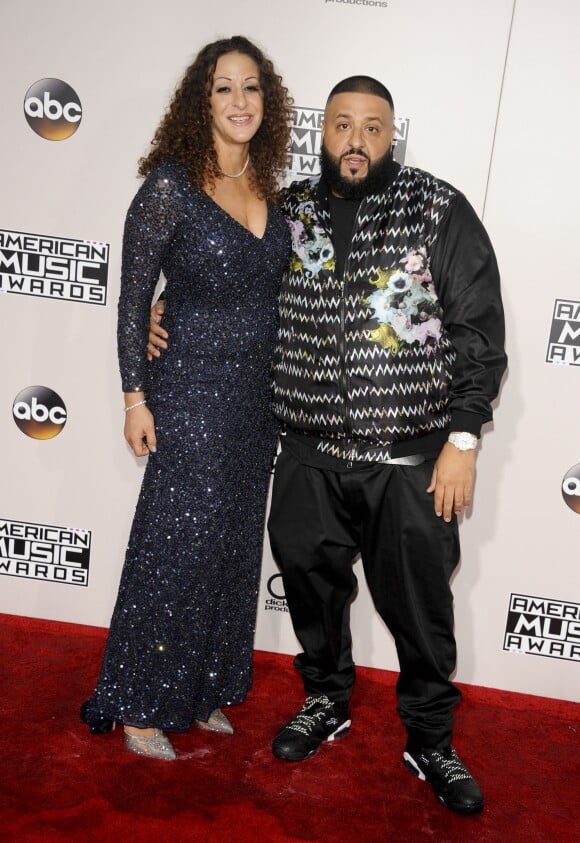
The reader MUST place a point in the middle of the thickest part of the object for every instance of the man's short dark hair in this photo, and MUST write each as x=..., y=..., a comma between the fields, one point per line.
x=362, y=85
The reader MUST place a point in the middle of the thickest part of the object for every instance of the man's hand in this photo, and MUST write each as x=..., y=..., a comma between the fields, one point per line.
x=452, y=481
x=157, y=335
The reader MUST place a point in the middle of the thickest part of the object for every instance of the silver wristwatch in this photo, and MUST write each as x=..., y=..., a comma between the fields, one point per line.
x=463, y=441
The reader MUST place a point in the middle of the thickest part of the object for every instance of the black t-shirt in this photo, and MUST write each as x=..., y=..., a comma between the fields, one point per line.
x=342, y=220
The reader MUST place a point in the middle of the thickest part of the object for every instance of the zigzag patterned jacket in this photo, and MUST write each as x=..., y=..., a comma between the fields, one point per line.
x=406, y=345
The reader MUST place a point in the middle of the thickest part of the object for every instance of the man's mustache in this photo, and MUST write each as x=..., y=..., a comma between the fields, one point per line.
x=355, y=151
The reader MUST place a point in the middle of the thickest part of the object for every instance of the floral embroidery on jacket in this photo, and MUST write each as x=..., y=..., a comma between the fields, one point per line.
x=405, y=304
x=311, y=248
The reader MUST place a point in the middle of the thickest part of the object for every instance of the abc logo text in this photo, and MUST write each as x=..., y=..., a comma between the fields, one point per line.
x=39, y=412
x=52, y=109
x=571, y=488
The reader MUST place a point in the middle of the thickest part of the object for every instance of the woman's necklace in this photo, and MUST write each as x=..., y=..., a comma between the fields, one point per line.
x=236, y=175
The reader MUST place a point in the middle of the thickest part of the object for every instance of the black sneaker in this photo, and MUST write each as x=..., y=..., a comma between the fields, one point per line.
x=453, y=784
x=318, y=720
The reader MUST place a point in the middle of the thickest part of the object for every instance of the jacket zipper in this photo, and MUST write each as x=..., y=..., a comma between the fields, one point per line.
x=342, y=378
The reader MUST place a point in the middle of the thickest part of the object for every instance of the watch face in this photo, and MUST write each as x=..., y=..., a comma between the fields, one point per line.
x=463, y=441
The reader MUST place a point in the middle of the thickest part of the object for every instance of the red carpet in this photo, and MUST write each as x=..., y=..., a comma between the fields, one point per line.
x=60, y=783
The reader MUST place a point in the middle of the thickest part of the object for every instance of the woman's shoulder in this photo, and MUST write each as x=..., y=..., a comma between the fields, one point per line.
x=169, y=173
x=169, y=183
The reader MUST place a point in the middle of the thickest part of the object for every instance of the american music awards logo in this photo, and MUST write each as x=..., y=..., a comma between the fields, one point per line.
x=541, y=626
x=564, y=342
x=306, y=128
x=44, y=552
x=54, y=267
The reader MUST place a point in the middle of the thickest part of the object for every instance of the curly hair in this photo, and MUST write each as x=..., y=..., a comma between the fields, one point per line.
x=185, y=131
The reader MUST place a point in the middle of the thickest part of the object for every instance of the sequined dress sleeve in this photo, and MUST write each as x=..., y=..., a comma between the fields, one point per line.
x=152, y=221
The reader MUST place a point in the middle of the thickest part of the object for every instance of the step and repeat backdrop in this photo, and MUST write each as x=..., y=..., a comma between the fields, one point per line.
x=486, y=98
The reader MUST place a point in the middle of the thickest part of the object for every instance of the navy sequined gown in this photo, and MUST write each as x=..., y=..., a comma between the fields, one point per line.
x=181, y=636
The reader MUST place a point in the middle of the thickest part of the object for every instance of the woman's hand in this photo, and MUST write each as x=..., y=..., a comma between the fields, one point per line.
x=139, y=426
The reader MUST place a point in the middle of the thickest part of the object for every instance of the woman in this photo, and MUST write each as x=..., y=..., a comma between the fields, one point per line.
x=180, y=642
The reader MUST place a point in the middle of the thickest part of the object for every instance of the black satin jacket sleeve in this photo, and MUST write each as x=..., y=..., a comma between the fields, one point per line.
x=466, y=277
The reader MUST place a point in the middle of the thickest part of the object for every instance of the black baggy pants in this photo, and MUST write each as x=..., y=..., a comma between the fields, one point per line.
x=319, y=519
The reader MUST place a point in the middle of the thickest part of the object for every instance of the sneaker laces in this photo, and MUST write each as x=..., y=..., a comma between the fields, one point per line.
x=305, y=723
x=450, y=766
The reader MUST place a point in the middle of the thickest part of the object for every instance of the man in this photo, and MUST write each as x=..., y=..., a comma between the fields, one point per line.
x=390, y=352
x=391, y=349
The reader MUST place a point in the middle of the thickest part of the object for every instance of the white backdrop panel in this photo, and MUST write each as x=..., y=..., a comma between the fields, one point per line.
x=444, y=63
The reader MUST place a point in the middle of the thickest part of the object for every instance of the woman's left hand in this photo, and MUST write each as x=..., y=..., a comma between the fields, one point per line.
x=140, y=431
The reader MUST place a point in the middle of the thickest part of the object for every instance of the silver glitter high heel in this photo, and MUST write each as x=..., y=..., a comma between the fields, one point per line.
x=217, y=722
x=157, y=746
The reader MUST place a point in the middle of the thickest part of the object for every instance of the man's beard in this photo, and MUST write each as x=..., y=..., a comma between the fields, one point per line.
x=347, y=187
